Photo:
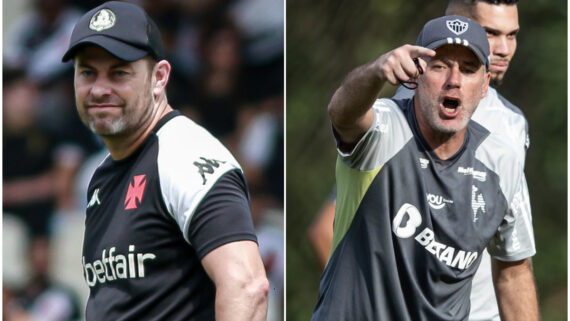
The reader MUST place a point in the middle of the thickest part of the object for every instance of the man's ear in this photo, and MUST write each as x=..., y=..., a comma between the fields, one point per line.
x=161, y=74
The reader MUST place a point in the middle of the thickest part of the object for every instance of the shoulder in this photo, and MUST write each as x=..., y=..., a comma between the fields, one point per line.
x=498, y=154
x=190, y=162
x=389, y=132
x=390, y=109
x=499, y=115
x=388, y=104
x=181, y=140
x=494, y=102
x=508, y=105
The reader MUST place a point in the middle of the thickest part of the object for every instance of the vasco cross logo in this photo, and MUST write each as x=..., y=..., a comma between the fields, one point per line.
x=135, y=192
x=207, y=167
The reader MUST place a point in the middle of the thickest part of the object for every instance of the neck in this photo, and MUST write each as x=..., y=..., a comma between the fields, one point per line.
x=444, y=145
x=121, y=146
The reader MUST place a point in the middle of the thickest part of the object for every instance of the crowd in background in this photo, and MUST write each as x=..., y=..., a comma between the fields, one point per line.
x=227, y=75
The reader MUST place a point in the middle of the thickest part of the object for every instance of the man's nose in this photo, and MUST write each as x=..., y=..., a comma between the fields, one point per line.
x=454, y=77
x=500, y=46
x=101, y=87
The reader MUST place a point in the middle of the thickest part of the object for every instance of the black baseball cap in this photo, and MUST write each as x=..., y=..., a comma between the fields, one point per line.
x=123, y=29
x=456, y=30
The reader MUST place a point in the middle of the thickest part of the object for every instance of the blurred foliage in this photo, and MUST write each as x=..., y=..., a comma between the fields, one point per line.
x=327, y=39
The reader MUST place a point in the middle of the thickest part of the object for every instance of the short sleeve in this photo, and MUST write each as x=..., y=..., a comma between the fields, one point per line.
x=223, y=216
x=388, y=133
x=514, y=239
x=190, y=163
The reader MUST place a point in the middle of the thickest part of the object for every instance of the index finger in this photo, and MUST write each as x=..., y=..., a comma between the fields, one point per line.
x=419, y=52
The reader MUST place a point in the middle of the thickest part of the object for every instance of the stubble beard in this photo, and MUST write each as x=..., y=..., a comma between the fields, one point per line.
x=127, y=122
x=496, y=79
x=430, y=111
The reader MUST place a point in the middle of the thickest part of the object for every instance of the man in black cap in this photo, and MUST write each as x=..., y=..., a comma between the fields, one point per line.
x=168, y=231
x=421, y=189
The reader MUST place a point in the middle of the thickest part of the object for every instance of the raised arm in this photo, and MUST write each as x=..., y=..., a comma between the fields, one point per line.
x=349, y=108
x=241, y=285
x=515, y=289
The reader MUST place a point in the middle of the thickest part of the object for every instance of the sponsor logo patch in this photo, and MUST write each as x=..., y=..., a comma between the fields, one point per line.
x=406, y=224
x=478, y=175
x=112, y=266
x=437, y=201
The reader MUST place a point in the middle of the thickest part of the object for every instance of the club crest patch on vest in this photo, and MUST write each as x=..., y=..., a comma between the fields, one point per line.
x=457, y=26
x=102, y=20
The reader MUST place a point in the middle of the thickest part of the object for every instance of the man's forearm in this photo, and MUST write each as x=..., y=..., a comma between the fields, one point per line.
x=237, y=271
x=516, y=290
x=241, y=301
x=355, y=96
x=349, y=109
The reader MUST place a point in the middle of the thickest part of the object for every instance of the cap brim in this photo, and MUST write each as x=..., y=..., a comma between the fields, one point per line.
x=436, y=44
x=115, y=47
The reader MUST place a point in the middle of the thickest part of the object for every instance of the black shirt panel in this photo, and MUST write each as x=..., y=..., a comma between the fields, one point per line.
x=226, y=204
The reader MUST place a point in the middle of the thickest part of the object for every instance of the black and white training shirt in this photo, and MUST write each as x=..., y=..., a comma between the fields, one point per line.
x=410, y=228
x=153, y=216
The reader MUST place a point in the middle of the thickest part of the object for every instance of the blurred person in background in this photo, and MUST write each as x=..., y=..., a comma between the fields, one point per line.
x=218, y=90
x=38, y=167
x=40, y=299
x=34, y=45
x=38, y=171
x=263, y=43
x=37, y=40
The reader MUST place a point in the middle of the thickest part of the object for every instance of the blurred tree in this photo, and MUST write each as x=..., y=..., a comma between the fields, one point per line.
x=327, y=39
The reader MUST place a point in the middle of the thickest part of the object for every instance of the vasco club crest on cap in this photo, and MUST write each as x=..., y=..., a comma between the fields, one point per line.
x=102, y=20
x=457, y=26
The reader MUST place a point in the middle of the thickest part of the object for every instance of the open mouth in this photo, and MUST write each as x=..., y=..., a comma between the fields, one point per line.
x=450, y=104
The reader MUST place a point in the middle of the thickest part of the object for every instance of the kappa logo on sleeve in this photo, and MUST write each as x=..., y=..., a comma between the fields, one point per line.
x=94, y=199
x=206, y=166
x=135, y=192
